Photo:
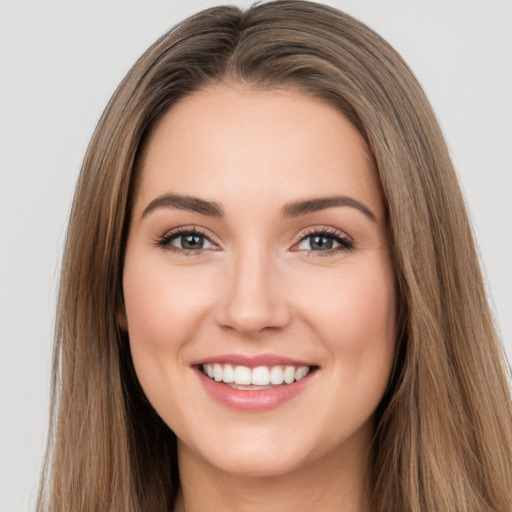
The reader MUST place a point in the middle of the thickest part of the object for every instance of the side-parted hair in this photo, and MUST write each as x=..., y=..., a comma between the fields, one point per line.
x=443, y=439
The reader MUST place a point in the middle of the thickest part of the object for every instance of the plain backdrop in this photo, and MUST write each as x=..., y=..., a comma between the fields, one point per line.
x=59, y=64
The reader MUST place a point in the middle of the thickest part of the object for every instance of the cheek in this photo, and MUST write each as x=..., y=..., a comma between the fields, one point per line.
x=163, y=307
x=355, y=316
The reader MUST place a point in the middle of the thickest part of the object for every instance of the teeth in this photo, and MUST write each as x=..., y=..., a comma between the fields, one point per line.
x=259, y=376
x=276, y=375
x=217, y=372
x=289, y=374
x=242, y=375
x=301, y=372
x=229, y=374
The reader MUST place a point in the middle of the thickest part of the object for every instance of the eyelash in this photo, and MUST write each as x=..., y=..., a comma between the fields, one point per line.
x=164, y=241
x=345, y=244
x=338, y=236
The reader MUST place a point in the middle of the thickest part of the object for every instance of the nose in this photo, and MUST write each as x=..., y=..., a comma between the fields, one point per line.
x=253, y=298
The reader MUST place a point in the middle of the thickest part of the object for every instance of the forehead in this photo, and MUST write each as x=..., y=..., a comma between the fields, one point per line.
x=224, y=142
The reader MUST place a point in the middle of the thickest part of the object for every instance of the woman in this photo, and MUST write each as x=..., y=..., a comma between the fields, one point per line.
x=266, y=286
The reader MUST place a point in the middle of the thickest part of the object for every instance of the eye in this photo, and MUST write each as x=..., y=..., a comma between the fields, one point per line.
x=190, y=241
x=325, y=242
x=185, y=241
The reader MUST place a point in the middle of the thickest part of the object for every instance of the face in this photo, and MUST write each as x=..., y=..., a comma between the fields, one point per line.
x=257, y=254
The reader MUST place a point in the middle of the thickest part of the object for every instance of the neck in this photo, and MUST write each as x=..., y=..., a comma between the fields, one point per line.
x=336, y=482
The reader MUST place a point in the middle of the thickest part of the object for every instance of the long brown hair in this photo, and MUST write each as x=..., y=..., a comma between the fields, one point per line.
x=443, y=440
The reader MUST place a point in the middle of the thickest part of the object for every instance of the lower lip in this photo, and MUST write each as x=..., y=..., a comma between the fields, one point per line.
x=252, y=400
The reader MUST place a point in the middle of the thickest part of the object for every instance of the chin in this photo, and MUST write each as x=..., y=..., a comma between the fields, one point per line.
x=258, y=465
x=259, y=455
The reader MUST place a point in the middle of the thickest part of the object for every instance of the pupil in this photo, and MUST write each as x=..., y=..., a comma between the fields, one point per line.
x=319, y=242
x=192, y=242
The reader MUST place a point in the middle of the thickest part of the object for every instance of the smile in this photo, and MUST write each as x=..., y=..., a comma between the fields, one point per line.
x=243, y=377
x=254, y=384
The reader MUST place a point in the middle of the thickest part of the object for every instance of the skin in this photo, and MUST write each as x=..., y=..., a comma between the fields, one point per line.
x=258, y=287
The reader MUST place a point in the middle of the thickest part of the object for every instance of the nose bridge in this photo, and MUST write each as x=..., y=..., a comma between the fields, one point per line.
x=254, y=298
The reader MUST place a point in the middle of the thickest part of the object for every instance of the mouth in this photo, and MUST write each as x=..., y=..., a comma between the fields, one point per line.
x=258, y=378
x=254, y=386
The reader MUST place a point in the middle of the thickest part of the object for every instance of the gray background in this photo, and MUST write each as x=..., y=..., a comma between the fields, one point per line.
x=59, y=64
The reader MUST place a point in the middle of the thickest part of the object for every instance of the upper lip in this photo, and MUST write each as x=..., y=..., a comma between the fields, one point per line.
x=251, y=361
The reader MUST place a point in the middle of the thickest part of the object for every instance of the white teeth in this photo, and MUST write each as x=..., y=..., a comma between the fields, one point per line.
x=289, y=374
x=259, y=376
x=217, y=372
x=242, y=375
x=301, y=372
x=229, y=374
x=276, y=375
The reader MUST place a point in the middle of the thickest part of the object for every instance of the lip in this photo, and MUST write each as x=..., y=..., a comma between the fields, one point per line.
x=252, y=361
x=253, y=400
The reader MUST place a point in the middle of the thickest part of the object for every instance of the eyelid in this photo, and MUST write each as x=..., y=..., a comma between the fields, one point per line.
x=345, y=241
x=164, y=240
x=321, y=229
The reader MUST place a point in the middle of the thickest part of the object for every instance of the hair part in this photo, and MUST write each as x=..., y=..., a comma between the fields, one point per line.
x=444, y=427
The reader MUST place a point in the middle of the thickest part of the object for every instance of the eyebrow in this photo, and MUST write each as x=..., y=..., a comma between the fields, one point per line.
x=188, y=203
x=299, y=208
x=295, y=209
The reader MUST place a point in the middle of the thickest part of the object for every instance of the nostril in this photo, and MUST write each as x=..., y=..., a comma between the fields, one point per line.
x=253, y=299
x=254, y=316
